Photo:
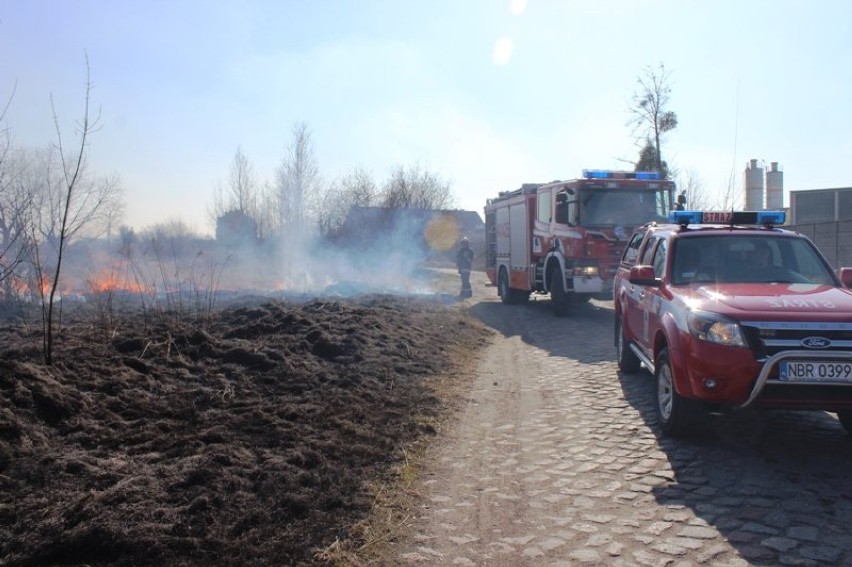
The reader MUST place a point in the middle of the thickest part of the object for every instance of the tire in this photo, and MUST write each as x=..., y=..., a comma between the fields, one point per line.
x=558, y=296
x=628, y=362
x=678, y=416
x=507, y=294
x=503, y=288
x=845, y=417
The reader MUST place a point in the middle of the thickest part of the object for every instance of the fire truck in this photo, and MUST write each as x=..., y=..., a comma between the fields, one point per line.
x=565, y=238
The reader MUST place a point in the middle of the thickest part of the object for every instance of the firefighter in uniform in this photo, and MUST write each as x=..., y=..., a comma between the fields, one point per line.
x=464, y=261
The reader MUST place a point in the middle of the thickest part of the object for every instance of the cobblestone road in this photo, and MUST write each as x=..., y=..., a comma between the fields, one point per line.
x=557, y=460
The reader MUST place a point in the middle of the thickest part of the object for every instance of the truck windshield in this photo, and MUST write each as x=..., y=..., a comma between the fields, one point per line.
x=624, y=206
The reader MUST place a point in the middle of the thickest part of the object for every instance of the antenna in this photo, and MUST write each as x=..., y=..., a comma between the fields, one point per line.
x=730, y=194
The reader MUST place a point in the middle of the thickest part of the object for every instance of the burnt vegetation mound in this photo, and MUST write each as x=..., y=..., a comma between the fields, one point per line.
x=249, y=441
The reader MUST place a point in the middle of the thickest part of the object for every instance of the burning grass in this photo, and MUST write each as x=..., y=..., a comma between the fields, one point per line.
x=251, y=441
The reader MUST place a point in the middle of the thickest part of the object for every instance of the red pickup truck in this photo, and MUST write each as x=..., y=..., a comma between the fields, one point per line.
x=728, y=311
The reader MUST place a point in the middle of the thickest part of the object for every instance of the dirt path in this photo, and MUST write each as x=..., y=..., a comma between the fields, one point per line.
x=503, y=467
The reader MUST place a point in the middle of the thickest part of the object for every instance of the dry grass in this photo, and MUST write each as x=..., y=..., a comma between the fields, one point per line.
x=278, y=433
x=397, y=503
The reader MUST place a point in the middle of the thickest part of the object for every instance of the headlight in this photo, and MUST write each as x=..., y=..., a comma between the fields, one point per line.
x=586, y=271
x=714, y=328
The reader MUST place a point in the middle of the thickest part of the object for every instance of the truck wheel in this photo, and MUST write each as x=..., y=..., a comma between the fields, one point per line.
x=845, y=417
x=628, y=362
x=558, y=295
x=503, y=287
x=678, y=415
x=509, y=295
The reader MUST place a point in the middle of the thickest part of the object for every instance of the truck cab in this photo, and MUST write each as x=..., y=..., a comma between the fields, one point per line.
x=564, y=238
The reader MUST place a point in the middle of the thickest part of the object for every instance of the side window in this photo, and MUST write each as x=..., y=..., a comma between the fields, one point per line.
x=562, y=207
x=544, y=206
x=648, y=253
x=572, y=210
x=631, y=251
x=660, y=258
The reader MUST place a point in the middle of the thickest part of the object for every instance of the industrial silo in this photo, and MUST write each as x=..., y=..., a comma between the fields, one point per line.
x=774, y=187
x=753, y=186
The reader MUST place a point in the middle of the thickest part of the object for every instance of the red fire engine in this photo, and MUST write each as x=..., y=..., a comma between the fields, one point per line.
x=565, y=237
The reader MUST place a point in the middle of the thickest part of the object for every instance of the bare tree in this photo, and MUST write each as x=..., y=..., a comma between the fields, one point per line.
x=416, y=188
x=649, y=113
x=79, y=203
x=241, y=199
x=729, y=199
x=241, y=193
x=690, y=183
x=268, y=216
x=296, y=180
x=15, y=207
x=699, y=198
x=360, y=188
x=95, y=204
x=356, y=189
x=174, y=234
x=16, y=216
x=243, y=183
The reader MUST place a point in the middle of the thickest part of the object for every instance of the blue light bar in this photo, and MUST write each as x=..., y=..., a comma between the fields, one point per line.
x=597, y=174
x=765, y=218
x=647, y=175
x=685, y=217
x=609, y=174
x=771, y=217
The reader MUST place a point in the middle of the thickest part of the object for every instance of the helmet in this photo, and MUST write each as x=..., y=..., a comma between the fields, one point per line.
x=464, y=242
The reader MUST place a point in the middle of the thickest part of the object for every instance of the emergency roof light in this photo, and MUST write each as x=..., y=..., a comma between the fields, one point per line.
x=684, y=218
x=771, y=218
x=609, y=174
x=765, y=218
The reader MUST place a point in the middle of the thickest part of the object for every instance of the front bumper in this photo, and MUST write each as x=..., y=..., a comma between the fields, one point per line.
x=742, y=381
x=823, y=395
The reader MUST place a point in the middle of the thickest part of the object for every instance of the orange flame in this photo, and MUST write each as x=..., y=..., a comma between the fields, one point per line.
x=109, y=280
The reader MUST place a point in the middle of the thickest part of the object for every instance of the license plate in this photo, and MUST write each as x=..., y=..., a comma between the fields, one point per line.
x=810, y=371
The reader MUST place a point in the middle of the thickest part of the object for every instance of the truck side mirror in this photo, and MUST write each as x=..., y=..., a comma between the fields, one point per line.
x=846, y=276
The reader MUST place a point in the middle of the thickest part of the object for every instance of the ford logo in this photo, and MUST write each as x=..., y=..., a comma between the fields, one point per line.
x=816, y=342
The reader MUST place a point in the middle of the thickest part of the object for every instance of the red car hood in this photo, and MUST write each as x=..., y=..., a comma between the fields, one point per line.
x=807, y=302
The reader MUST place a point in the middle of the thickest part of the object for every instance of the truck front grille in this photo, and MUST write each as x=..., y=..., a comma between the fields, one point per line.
x=769, y=338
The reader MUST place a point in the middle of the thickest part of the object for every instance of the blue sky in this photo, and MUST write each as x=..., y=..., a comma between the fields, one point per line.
x=487, y=93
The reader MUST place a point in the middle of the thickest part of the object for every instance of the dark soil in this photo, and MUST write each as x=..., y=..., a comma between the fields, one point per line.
x=249, y=440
